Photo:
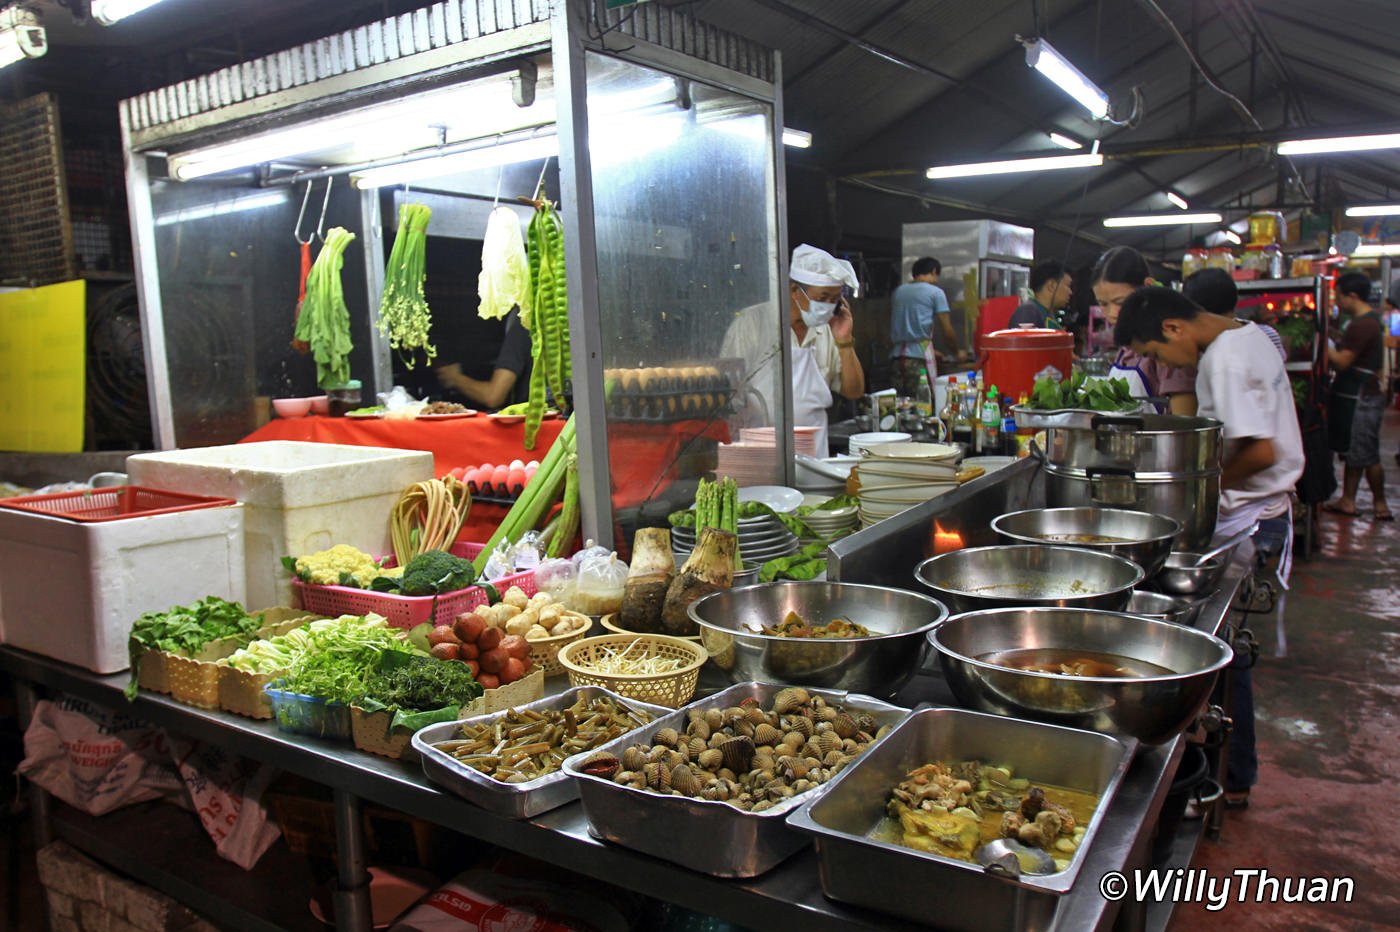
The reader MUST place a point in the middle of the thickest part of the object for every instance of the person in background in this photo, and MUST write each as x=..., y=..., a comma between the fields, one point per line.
x=1215, y=290
x=914, y=307
x=1240, y=381
x=510, y=378
x=1118, y=273
x=1051, y=288
x=821, y=330
x=1357, y=402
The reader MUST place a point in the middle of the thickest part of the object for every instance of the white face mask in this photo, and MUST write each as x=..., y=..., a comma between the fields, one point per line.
x=817, y=312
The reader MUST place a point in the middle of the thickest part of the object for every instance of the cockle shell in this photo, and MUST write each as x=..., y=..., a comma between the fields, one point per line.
x=738, y=754
x=600, y=764
x=757, y=716
x=657, y=775
x=828, y=741
x=714, y=718
x=699, y=728
x=844, y=725
x=790, y=700
x=710, y=758
x=683, y=781
x=766, y=734
x=696, y=746
x=800, y=724
x=634, y=758
x=667, y=736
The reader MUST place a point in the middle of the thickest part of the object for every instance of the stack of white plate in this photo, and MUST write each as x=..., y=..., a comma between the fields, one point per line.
x=830, y=522
x=896, y=476
x=760, y=539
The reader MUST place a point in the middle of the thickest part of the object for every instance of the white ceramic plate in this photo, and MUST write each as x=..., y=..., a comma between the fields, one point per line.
x=859, y=442
x=778, y=497
x=915, y=451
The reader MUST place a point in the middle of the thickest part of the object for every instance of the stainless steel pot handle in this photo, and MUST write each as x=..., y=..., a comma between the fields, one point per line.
x=1133, y=421
x=1117, y=435
x=1112, y=485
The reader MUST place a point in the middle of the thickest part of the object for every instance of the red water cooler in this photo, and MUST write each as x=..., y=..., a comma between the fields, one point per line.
x=1013, y=359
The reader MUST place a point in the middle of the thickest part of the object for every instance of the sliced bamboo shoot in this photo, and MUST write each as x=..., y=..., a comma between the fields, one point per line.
x=709, y=569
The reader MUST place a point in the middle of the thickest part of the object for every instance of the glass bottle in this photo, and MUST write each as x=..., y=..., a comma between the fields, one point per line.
x=923, y=398
x=949, y=414
x=991, y=422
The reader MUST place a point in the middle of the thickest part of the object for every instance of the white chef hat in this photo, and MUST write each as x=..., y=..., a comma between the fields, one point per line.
x=819, y=268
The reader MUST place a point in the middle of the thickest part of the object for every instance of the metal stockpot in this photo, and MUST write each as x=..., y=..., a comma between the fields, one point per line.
x=1144, y=443
x=1191, y=498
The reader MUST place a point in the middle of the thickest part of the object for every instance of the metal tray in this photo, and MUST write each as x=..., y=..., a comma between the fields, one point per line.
x=880, y=875
x=1080, y=418
x=705, y=835
x=514, y=800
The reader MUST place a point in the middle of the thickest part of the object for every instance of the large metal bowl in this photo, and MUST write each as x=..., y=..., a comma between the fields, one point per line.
x=1142, y=537
x=1152, y=709
x=877, y=665
x=1178, y=609
x=1181, y=576
x=1029, y=575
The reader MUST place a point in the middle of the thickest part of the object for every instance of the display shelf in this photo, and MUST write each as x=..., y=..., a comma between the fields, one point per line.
x=176, y=857
x=1276, y=284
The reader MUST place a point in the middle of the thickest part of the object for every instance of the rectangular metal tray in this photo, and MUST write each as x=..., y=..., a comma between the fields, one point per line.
x=705, y=835
x=514, y=800
x=956, y=894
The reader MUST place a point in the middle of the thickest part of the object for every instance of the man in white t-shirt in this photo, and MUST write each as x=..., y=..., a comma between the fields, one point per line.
x=1240, y=381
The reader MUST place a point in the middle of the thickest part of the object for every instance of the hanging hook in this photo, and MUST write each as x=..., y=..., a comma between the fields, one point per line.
x=539, y=185
x=500, y=174
x=296, y=231
x=321, y=224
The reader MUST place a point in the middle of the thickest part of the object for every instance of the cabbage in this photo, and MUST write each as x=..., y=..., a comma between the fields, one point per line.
x=505, y=274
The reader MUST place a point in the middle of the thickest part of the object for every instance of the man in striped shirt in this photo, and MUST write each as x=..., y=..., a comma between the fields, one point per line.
x=1215, y=291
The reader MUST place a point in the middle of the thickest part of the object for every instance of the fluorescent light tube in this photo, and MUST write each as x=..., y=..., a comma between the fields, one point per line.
x=1232, y=236
x=1065, y=142
x=1043, y=57
x=796, y=138
x=1375, y=249
x=1012, y=166
x=108, y=12
x=1374, y=210
x=1339, y=144
x=221, y=208
x=507, y=153
x=1177, y=200
x=21, y=36
x=1161, y=220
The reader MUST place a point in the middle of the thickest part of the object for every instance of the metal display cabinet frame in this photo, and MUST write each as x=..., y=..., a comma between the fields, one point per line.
x=438, y=46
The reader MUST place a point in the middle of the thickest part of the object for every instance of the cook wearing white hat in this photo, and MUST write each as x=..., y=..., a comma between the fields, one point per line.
x=824, y=359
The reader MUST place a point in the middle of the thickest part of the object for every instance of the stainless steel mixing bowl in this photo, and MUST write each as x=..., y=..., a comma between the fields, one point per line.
x=1030, y=575
x=1180, y=576
x=1152, y=709
x=1142, y=537
x=1178, y=609
x=878, y=665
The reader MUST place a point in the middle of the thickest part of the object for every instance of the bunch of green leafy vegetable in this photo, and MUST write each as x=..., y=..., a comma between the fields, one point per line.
x=831, y=504
x=275, y=654
x=418, y=690
x=807, y=563
x=340, y=657
x=1296, y=332
x=430, y=573
x=1078, y=392
x=186, y=629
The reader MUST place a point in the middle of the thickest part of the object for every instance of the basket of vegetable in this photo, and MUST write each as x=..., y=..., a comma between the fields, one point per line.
x=647, y=667
x=435, y=586
x=195, y=680
x=545, y=624
x=244, y=673
x=406, y=693
x=1074, y=401
x=208, y=629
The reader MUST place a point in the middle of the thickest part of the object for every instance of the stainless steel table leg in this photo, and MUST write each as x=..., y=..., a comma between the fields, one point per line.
x=352, y=906
x=26, y=699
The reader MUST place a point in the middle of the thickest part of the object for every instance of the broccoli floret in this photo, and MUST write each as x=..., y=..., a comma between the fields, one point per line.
x=436, y=571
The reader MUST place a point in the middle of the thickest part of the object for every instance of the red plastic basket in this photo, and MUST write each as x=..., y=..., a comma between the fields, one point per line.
x=113, y=503
x=408, y=611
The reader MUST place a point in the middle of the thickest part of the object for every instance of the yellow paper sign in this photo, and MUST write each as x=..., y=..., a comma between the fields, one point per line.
x=43, y=347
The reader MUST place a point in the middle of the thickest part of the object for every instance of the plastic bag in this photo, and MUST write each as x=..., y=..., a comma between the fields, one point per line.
x=227, y=793
x=600, y=584
x=558, y=578
x=500, y=563
x=398, y=403
x=528, y=552
x=589, y=551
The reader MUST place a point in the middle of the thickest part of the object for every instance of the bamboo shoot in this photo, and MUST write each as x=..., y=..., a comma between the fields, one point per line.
x=648, y=580
x=709, y=569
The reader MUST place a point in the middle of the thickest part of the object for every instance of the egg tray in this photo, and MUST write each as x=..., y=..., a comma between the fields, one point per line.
x=655, y=407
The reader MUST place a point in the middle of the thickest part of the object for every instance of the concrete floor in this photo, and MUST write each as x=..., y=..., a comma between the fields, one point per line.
x=1328, y=716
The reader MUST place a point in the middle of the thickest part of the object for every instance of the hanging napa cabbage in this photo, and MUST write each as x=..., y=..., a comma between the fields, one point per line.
x=504, y=282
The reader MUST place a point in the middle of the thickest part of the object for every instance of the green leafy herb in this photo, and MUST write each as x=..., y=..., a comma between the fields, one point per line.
x=1077, y=392
x=410, y=686
x=186, y=629
x=341, y=656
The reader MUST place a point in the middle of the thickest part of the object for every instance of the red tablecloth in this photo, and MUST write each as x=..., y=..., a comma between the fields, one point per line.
x=637, y=453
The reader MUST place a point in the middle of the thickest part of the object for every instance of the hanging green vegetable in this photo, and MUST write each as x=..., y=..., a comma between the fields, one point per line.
x=403, y=311
x=548, y=320
x=324, y=323
x=505, y=280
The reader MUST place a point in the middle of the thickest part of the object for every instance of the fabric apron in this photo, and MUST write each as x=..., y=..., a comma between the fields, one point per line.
x=1137, y=382
x=1232, y=522
x=811, y=394
x=1341, y=405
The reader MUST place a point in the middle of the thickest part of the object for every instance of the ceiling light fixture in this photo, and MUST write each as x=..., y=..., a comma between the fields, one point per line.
x=1232, y=236
x=1043, y=57
x=21, y=36
x=1161, y=220
x=1374, y=210
x=1177, y=200
x=223, y=208
x=490, y=155
x=1012, y=166
x=1339, y=144
x=796, y=138
x=108, y=12
x=1377, y=249
x=1065, y=142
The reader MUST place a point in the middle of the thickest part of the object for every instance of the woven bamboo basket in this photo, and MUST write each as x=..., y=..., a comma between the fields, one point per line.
x=544, y=652
x=671, y=689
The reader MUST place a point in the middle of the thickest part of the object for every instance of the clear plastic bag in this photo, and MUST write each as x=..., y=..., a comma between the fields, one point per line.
x=557, y=577
x=589, y=551
x=600, y=584
x=528, y=552
x=501, y=562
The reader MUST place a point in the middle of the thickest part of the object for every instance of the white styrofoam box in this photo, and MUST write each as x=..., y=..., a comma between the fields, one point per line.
x=299, y=497
x=71, y=590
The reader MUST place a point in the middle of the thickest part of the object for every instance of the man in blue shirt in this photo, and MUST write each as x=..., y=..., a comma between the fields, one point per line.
x=913, y=309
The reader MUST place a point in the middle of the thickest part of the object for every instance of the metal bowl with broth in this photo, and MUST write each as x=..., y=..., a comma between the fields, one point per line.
x=731, y=624
x=1144, y=538
x=1128, y=675
x=1029, y=575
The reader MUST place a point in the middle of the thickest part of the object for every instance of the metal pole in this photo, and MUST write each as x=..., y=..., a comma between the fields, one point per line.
x=581, y=271
x=143, y=254
x=372, y=242
x=352, y=906
x=26, y=700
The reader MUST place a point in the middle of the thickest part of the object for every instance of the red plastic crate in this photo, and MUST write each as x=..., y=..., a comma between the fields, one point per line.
x=113, y=503
x=408, y=611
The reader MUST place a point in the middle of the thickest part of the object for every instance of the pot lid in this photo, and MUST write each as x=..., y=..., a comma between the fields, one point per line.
x=1029, y=338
